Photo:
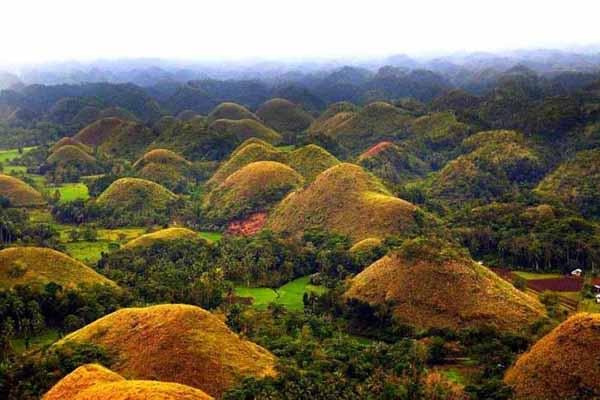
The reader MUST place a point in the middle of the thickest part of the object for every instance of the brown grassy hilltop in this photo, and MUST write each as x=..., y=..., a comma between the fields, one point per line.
x=429, y=285
x=308, y=161
x=19, y=193
x=176, y=343
x=164, y=234
x=164, y=167
x=97, y=132
x=231, y=111
x=284, y=116
x=254, y=187
x=69, y=141
x=564, y=364
x=37, y=266
x=71, y=154
x=162, y=156
x=244, y=129
x=94, y=382
x=117, y=137
x=347, y=200
x=136, y=195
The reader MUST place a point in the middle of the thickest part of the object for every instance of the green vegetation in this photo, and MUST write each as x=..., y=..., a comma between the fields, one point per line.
x=231, y=111
x=245, y=129
x=284, y=116
x=289, y=295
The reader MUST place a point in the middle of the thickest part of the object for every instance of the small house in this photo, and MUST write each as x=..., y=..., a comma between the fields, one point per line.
x=576, y=272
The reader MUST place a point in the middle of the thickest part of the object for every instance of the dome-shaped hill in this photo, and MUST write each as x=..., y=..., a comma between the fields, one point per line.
x=244, y=129
x=187, y=115
x=231, y=111
x=373, y=123
x=19, y=193
x=80, y=379
x=164, y=123
x=135, y=195
x=97, y=132
x=284, y=116
x=162, y=235
x=248, y=152
x=440, y=130
x=176, y=343
x=321, y=124
x=170, y=177
x=576, y=182
x=431, y=286
x=117, y=112
x=499, y=160
x=366, y=245
x=69, y=141
x=564, y=364
x=70, y=154
x=117, y=137
x=93, y=381
x=392, y=163
x=37, y=266
x=310, y=161
x=347, y=200
x=162, y=156
x=254, y=187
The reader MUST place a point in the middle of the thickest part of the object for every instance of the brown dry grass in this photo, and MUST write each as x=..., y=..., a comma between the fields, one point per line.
x=135, y=194
x=37, y=266
x=563, y=364
x=453, y=293
x=347, y=200
x=97, y=132
x=232, y=111
x=93, y=381
x=69, y=141
x=176, y=343
x=80, y=379
x=164, y=234
x=70, y=153
x=19, y=193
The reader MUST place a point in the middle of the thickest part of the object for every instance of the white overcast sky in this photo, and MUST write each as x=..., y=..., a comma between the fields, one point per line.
x=60, y=30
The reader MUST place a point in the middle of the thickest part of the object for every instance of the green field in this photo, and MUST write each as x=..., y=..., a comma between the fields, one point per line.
x=212, y=236
x=40, y=340
x=533, y=275
x=10, y=154
x=287, y=148
x=289, y=295
x=69, y=191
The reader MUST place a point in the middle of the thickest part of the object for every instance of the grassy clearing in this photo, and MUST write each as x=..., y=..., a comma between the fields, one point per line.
x=589, y=305
x=70, y=191
x=533, y=275
x=454, y=375
x=211, y=236
x=289, y=295
x=287, y=148
x=43, y=339
x=10, y=154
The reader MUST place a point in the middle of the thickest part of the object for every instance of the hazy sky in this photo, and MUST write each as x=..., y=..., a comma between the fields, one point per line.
x=53, y=30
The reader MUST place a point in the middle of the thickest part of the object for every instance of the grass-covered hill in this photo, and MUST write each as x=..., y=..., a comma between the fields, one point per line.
x=284, y=116
x=576, y=183
x=95, y=382
x=19, y=193
x=255, y=187
x=164, y=167
x=162, y=156
x=393, y=163
x=71, y=154
x=176, y=343
x=430, y=285
x=162, y=235
x=373, y=123
x=564, y=364
x=246, y=128
x=320, y=123
x=308, y=161
x=116, y=137
x=138, y=196
x=37, y=266
x=344, y=199
x=496, y=162
x=69, y=141
x=231, y=111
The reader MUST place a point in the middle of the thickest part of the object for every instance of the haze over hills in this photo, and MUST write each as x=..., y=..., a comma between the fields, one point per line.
x=185, y=216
